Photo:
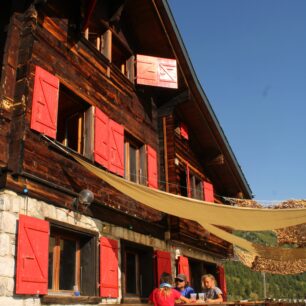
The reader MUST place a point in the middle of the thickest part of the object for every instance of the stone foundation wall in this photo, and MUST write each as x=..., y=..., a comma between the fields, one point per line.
x=12, y=204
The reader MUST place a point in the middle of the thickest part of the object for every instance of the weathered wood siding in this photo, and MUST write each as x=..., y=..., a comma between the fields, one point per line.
x=83, y=71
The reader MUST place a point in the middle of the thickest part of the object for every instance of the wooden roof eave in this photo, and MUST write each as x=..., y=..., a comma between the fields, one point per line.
x=195, y=87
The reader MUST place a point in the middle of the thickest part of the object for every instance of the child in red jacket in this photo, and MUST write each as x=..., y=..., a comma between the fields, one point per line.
x=165, y=295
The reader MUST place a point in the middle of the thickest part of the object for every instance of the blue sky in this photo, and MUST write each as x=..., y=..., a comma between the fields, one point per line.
x=250, y=57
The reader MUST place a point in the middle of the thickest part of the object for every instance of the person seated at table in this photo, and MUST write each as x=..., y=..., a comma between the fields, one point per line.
x=213, y=294
x=165, y=295
x=181, y=285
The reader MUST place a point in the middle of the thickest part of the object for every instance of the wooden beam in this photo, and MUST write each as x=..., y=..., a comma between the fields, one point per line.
x=106, y=45
x=216, y=161
x=90, y=8
x=193, y=169
x=167, y=108
x=165, y=153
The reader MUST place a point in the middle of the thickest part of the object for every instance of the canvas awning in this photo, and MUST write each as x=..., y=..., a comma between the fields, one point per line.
x=213, y=216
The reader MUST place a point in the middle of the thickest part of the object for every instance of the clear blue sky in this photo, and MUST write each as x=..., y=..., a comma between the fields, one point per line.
x=250, y=57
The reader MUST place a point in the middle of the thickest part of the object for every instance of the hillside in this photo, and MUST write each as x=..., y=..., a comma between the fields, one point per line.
x=243, y=283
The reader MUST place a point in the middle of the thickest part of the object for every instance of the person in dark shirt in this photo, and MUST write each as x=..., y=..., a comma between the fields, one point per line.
x=181, y=285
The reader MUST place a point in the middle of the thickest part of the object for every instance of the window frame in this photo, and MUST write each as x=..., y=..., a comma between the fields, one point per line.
x=56, y=263
x=137, y=276
x=145, y=270
x=141, y=160
x=83, y=130
x=88, y=240
x=196, y=186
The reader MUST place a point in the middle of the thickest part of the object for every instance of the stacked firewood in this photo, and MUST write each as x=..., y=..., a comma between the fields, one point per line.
x=269, y=265
x=294, y=234
x=279, y=267
x=244, y=203
x=244, y=257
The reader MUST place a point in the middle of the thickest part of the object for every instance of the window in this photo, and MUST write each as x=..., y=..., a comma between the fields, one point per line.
x=183, y=182
x=135, y=161
x=137, y=268
x=72, y=261
x=132, y=272
x=74, y=124
x=64, y=262
x=196, y=187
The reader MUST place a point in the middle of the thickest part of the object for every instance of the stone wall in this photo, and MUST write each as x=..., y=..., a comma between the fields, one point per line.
x=12, y=204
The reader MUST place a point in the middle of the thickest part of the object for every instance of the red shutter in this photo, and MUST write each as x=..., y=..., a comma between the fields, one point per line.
x=155, y=71
x=163, y=264
x=108, y=267
x=45, y=102
x=32, y=256
x=116, y=146
x=208, y=189
x=101, y=150
x=184, y=131
x=152, y=167
x=188, y=181
x=222, y=281
x=183, y=266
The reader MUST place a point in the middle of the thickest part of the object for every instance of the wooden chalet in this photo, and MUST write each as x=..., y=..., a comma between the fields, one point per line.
x=109, y=80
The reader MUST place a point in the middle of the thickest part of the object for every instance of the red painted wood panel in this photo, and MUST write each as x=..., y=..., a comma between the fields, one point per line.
x=152, y=167
x=101, y=141
x=208, y=190
x=222, y=281
x=108, y=267
x=163, y=263
x=45, y=103
x=155, y=71
x=184, y=131
x=32, y=256
x=188, y=181
x=183, y=267
x=116, y=147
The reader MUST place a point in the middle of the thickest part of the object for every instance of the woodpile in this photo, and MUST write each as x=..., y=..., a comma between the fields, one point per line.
x=244, y=203
x=294, y=234
x=245, y=258
x=279, y=267
x=261, y=264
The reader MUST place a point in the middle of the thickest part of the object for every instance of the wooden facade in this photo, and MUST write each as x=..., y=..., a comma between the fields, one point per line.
x=90, y=49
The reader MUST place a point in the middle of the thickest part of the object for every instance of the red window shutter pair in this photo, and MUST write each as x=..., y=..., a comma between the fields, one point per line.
x=32, y=256
x=162, y=264
x=32, y=259
x=109, y=143
x=108, y=268
x=208, y=190
x=155, y=71
x=184, y=131
x=45, y=103
x=222, y=281
x=152, y=167
x=183, y=267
